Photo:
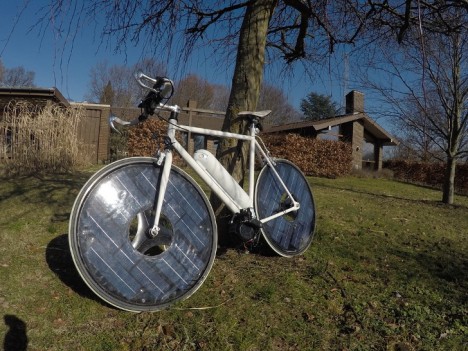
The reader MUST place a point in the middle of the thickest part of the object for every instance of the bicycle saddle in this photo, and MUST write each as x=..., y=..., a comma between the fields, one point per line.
x=258, y=114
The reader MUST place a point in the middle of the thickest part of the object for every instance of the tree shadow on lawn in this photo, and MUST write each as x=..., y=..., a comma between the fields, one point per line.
x=446, y=265
x=435, y=203
x=60, y=262
x=57, y=192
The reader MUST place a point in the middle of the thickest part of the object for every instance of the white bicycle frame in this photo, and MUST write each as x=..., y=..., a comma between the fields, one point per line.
x=232, y=203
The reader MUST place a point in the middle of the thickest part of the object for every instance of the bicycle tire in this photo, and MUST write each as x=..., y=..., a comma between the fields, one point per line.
x=110, y=247
x=291, y=234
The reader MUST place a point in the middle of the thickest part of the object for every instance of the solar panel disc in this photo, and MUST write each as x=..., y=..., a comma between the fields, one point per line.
x=292, y=233
x=110, y=242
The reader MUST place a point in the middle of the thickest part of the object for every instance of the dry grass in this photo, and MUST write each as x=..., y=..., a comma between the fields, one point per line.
x=35, y=140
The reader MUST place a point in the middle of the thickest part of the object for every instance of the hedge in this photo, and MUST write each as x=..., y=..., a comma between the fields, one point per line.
x=322, y=158
x=147, y=138
x=315, y=157
x=431, y=174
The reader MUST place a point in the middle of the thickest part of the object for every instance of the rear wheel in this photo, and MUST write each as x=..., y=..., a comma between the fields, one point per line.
x=292, y=233
x=110, y=242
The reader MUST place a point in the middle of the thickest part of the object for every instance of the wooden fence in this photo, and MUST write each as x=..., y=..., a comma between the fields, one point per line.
x=93, y=133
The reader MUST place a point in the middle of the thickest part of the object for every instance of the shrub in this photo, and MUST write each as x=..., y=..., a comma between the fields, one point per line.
x=431, y=174
x=39, y=139
x=147, y=138
x=322, y=158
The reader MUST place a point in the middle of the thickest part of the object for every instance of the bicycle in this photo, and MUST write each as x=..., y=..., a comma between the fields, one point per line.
x=142, y=232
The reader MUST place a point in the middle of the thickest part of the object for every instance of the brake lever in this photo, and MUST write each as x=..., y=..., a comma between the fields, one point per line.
x=114, y=119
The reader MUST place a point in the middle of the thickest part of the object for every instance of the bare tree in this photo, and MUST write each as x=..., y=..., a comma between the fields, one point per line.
x=17, y=77
x=427, y=86
x=112, y=84
x=221, y=97
x=273, y=98
x=413, y=134
x=193, y=87
x=445, y=62
x=115, y=84
x=290, y=30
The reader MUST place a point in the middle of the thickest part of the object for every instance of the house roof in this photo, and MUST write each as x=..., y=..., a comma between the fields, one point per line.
x=370, y=126
x=37, y=96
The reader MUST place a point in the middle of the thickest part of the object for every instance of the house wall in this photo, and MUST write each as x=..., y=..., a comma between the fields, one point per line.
x=357, y=144
x=353, y=132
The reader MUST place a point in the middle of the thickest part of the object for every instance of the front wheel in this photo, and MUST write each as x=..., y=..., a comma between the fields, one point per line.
x=292, y=233
x=110, y=239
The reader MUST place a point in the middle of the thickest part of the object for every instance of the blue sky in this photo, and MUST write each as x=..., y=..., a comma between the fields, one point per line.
x=69, y=70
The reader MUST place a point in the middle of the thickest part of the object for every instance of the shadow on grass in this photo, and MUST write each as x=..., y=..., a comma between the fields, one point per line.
x=444, y=264
x=435, y=203
x=16, y=338
x=60, y=262
x=57, y=191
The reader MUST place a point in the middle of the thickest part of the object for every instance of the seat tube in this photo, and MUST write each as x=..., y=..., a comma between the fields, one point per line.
x=252, y=163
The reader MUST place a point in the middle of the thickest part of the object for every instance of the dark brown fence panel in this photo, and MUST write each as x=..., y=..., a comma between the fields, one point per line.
x=93, y=133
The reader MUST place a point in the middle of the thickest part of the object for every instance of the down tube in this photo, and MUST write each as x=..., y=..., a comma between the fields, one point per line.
x=235, y=208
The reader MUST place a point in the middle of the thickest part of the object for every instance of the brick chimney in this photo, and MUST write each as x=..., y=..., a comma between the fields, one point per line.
x=354, y=102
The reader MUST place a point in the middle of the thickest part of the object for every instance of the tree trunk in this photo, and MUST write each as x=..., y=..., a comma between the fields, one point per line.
x=245, y=91
x=448, y=189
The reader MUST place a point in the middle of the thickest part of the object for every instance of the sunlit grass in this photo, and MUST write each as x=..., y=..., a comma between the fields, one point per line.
x=387, y=270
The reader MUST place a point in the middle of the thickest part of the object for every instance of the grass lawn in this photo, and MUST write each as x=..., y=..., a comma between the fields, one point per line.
x=388, y=270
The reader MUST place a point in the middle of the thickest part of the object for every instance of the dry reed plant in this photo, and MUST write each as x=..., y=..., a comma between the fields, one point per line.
x=39, y=139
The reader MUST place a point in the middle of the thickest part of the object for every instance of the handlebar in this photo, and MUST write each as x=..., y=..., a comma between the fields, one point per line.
x=160, y=85
x=160, y=88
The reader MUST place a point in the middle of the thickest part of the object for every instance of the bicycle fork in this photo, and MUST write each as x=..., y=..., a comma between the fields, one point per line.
x=165, y=159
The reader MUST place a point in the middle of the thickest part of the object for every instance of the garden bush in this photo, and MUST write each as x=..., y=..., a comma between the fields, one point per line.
x=431, y=174
x=147, y=138
x=315, y=157
x=322, y=158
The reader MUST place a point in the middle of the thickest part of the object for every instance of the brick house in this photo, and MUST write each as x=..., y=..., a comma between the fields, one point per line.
x=355, y=126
